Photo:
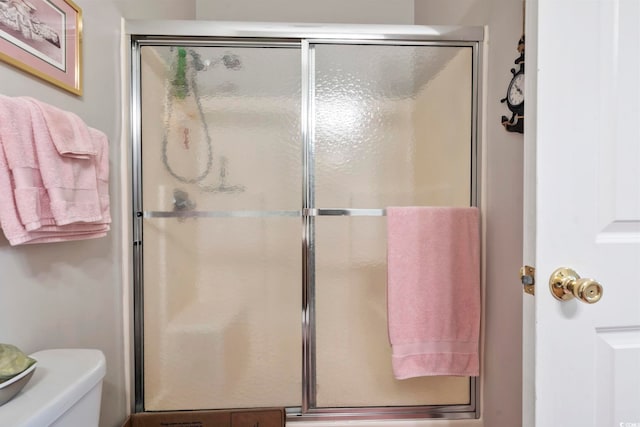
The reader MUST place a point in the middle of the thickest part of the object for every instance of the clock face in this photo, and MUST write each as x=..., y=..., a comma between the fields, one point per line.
x=515, y=93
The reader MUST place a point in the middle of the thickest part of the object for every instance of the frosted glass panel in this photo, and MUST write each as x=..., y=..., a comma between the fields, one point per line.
x=392, y=125
x=226, y=125
x=221, y=132
x=222, y=313
x=353, y=351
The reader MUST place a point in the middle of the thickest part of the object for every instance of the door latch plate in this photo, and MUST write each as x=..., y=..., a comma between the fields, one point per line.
x=528, y=279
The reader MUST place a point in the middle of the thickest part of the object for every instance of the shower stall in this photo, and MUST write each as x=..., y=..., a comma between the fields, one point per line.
x=264, y=157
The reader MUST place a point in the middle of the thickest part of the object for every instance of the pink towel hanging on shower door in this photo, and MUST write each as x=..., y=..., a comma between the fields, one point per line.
x=433, y=290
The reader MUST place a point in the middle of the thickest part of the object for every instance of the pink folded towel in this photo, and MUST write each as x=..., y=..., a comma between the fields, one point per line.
x=101, y=144
x=69, y=133
x=433, y=290
x=71, y=182
x=17, y=138
x=80, y=189
x=15, y=231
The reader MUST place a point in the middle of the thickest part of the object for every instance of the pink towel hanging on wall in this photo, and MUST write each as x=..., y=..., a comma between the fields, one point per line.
x=433, y=290
x=27, y=213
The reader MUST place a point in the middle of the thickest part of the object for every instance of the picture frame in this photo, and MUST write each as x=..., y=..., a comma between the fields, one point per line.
x=44, y=38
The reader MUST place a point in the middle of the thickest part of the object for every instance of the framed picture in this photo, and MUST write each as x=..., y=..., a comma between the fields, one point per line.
x=43, y=37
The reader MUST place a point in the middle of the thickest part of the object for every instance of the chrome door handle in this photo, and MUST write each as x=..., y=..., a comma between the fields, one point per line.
x=566, y=284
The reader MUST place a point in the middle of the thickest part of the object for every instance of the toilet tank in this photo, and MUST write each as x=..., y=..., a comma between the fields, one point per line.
x=65, y=391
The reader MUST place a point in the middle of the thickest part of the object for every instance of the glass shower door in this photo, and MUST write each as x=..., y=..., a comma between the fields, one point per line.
x=393, y=127
x=221, y=171
x=265, y=167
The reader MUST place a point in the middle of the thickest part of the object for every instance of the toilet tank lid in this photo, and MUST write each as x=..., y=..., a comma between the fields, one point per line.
x=61, y=378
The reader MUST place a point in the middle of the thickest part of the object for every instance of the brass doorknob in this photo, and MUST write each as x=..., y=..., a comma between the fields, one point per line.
x=566, y=284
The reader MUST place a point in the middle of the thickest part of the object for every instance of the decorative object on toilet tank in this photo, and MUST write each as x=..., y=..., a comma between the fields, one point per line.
x=16, y=369
x=10, y=388
x=65, y=391
x=12, y=362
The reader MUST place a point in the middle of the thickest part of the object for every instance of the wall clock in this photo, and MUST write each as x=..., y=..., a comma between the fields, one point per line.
x=515, y=95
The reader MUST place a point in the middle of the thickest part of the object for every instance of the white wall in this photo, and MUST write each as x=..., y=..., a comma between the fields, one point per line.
x=69, y=294
x=502, y=201
x=157, y=9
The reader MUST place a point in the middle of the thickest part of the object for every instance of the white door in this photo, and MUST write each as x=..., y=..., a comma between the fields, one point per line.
x=584, y=119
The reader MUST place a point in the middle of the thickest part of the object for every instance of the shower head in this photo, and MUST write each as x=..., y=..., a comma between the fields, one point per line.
x=197, y=61
x=231, y=61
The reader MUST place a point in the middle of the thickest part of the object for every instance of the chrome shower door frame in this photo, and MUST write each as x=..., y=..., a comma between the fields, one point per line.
x=303, y=37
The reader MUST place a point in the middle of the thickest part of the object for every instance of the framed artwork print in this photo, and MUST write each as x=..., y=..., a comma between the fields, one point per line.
x=44, y=38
